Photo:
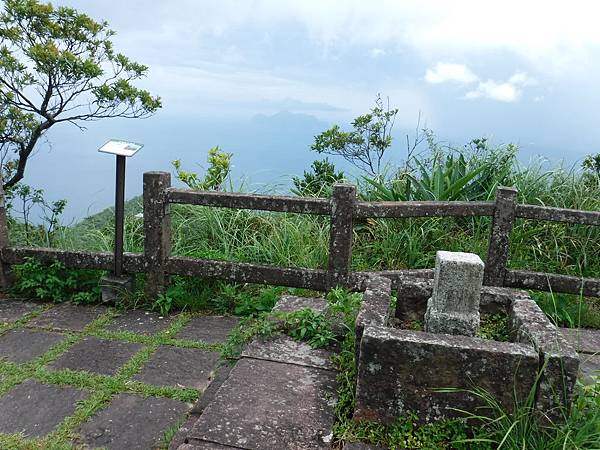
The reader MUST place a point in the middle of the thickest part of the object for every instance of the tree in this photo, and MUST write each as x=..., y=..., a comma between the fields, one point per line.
x=58, y=65
x=364, y=146
x=319, y=181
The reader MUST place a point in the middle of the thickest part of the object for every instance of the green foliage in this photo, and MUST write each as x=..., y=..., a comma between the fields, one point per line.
x=56, y=283
x=164, y=304
x=591, y=163
x=219, y=168
x=318, y=182
x=527, y=428
x=365, y=145
x=58, y=65
x=495, y=327
x=571, y=311
x=310, y=326
x=472, y=173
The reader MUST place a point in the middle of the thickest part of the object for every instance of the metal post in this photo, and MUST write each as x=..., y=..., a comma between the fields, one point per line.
x=119, y=215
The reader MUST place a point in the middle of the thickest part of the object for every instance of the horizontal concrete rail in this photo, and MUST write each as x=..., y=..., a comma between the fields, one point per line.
x=298, y=205
x=573, y=216
x=247, y=273
x=567, y=284
x=382, y=210
x=132, y=262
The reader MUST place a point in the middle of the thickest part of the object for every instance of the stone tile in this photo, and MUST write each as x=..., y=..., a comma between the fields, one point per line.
x=35, y=409
x=12, y=310
x=139, y=322
x=96, y=355
x=23, y=344
x=589, y=368
x=203, y=445
x=287, y=350
x=289, y=303
x=211, y=329
x=68, y=316
x=583, y=340
x=131, y=422
x=179, y=367
x=361, y=446
x=268, y=405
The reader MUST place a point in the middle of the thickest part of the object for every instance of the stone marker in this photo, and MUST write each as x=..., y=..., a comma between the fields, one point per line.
x=454, y=304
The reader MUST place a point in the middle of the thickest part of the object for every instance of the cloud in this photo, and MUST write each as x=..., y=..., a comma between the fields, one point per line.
x=508, y=91
x=443, y=72
x=377, y=52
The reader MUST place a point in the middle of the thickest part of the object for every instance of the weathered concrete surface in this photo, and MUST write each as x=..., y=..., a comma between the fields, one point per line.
x=22, y=345
x=589, y=368
x=12, y=310
x=290, y=303
x=35, y=409
x=221, y=374
x=179, y=367
x=284, y=349
x=375, y=307
x=582, y=340
x=361, y=446
x=560, y=363
x=114, y=288
x=343, y=200
x=96, y=355
x=211, y=329
x=203, y=445
x=68, y=316
x=268, y=405
x=454, y=304
x=400, y=371
x=131, y=422
x=499, y=244
x=140, y=322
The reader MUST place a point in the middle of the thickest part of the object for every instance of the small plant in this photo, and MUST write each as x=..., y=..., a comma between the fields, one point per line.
x=494, y=327
x=55, y=282
x=308, y=325
x=163, y=304
x=219, y=168
x=318, y=182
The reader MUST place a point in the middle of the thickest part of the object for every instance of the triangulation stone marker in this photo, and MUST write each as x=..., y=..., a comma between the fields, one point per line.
x=454, y=305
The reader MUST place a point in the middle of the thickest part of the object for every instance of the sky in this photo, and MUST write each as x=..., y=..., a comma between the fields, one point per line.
x=261, y=78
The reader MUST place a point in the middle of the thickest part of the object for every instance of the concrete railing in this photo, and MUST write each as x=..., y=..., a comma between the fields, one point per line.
x=343, y=208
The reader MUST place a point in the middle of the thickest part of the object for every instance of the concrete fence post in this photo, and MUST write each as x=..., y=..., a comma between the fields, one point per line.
x=157, y=232
x=498, y=250
x=340, y=235
x=6, y=274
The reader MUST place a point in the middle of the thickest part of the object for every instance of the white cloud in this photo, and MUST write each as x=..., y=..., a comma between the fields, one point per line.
x=377, y=52
x=508, y=91
x=443, y=72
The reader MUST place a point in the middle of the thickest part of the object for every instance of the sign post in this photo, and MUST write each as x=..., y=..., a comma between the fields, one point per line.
x=118, y=282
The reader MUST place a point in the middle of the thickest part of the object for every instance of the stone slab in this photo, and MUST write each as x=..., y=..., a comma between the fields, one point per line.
x=92, y=354
x=12, y=310
x=402, y=370
x=35, y=409
x=68, y=316
x=284, y=349
x=210, y=329
x=194, y=444
x=361, y=446
x=290, y=303
x=271, y=406
x=583, y=340
x=179, y=367
x=589, y=368
x=23, y=344
x=131, y=422
x=139, y=322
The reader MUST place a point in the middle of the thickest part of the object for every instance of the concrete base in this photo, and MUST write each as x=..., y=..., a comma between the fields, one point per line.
x=113, y=287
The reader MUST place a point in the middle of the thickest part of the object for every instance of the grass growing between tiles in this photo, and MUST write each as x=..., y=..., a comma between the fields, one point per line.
x=102, y=388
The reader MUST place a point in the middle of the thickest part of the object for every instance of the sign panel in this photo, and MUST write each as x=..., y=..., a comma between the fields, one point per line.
x=121, y=148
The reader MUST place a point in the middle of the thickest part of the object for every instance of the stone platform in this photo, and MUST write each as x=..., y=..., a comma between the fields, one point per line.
x=93, y=377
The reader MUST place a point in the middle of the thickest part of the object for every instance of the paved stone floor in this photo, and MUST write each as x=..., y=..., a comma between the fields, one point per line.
x=93, y=377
